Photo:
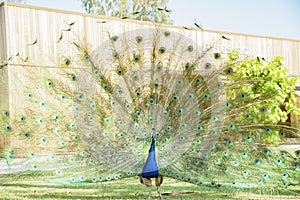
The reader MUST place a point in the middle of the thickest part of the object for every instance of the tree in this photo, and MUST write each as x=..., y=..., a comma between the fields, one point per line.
x=145, y=10
x=267, y=93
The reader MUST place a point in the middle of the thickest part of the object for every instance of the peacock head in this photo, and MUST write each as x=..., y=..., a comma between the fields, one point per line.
x=154, y=135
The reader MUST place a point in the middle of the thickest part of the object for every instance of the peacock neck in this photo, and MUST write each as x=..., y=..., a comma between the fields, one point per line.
x=150, y=169
x=152, y=147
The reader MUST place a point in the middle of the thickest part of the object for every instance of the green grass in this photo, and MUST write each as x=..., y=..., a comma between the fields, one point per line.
x=33, y=186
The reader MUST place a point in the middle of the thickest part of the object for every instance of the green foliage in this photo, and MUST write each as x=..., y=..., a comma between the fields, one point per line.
x=145, y=10
x=266, y=90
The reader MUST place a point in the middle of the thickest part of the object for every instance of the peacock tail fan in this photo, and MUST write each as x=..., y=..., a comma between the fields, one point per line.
x=95, y=122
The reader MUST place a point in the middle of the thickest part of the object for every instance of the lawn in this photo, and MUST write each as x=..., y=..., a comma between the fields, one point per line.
x=35, y=186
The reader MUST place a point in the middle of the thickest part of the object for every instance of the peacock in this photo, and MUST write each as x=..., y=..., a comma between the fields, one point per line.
x=151, y=103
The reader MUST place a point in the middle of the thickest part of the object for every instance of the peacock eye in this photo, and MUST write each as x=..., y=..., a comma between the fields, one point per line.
x=151, y=101
x=295, y=164
x=139, y=39
x=120, y=72
x=115, y=38
x=135, y=78
x=187, y=67
x=207, y=66
x=259, y=181
x=190, y=48
x=265, y=151
x=162, y=50
x=115, y=55
x=96, y=72
x=267, y=130
x=167, y=33
x=179, y=111
x=67, y=61
x=217, y=55
x=228, y=71
x=281, y=133
x=159, y=67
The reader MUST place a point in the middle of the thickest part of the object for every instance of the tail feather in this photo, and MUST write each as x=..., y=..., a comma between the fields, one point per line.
x=94, y=122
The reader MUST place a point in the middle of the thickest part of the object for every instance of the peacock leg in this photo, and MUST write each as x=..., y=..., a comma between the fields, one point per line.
x=158, y=192
x=158, y=182
x=149, y=198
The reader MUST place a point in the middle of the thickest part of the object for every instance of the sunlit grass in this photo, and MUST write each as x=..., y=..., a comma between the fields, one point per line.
x=34, y=186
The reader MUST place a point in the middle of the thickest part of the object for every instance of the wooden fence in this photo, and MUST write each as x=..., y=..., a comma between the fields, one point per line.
x=38, y=37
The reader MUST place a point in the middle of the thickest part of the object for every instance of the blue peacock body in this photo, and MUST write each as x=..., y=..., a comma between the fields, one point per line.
x=150, y=169
x=96, y=123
